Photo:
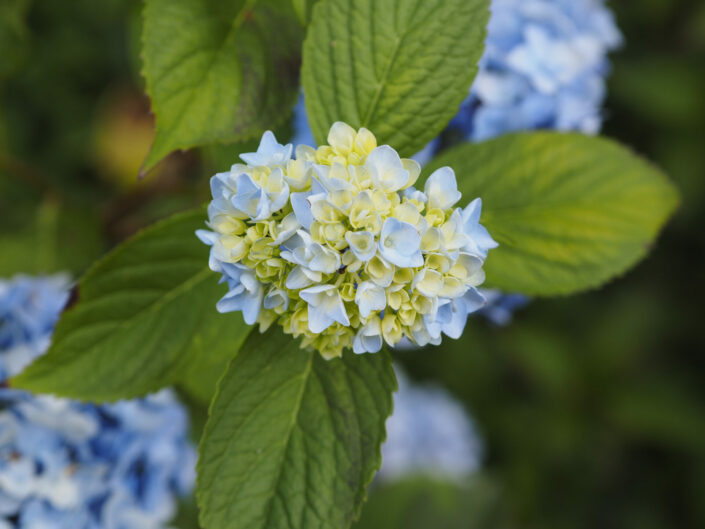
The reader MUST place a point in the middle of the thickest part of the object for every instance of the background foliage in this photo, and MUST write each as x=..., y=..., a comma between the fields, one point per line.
x=591, y=407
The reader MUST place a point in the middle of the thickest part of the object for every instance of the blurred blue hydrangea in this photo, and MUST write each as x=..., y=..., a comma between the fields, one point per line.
x=29, y=309
x=429, y=433
x=68, y=465
x=500, y=308
x=544, y=67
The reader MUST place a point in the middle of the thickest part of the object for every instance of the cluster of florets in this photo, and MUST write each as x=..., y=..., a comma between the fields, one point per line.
x=70, y=465
x=544, y=66
x=339, y=248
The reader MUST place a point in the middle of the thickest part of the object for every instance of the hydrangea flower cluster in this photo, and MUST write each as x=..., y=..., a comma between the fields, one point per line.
x=339, y=247
x=429, y=433
x=68, y=465
x=544, y=66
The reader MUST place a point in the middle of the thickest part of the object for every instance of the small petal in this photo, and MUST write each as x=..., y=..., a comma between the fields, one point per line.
x=370, y=297
x=325, y=306
x=400, y=244
x=269, y=152
x=442, y=189
x=386, y=169
x=362, y=244
x=341, y=137
x=480, y=241
x=302, y=208
x=369, y=338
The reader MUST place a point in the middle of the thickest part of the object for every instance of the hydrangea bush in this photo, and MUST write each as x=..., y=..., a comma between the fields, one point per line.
x=350, y=246
x=71, y=465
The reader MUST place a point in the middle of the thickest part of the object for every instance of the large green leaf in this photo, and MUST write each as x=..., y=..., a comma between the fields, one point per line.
x=144, y=318
x=569, y=211
x=398, y=67
x=218, y=71
x=292, y=440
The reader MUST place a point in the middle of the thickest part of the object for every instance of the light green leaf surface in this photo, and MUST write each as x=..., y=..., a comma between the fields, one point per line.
x=401, y=68
x=293, y=440
x=569, y=211
x=144, y=317
x=303, y=9
x=218, y=71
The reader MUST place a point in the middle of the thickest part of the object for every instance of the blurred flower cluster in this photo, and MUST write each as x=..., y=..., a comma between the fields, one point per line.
x=339, y=247
x=429, y=433
x=544, y=66
x=69, y=465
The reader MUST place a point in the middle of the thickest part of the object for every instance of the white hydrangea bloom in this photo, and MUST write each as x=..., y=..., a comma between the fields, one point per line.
x=338, y=247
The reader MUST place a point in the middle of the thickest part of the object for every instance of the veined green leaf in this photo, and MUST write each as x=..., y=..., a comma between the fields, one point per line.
x=569, y=211
x=144, y=317
x=400, y=68
x=218, y=71
x=292, y=440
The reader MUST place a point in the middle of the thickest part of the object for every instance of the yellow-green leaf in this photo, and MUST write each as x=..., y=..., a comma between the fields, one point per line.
x=218, y=71
x=569, y=211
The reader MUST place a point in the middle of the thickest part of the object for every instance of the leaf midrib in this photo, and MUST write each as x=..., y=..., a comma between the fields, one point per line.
x=292, y=424
x=305, y=375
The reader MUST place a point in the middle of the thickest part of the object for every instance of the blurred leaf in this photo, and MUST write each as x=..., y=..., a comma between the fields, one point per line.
x=569, y=211
x=13, y=34
x=218, y=71
x=142, y=315
x=663, y=89
x=49, y=103
x=423, y=503
x=292, y=440
x=401, y=68
x=303, y=9
x=43, y=235
x=187, y=514
x=660, y=412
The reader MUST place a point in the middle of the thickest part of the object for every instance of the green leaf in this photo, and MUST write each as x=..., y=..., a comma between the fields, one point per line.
x=420, y=502
x=569, y=211
x=13, y=34
x=218, y=71
x=292, y=440
x=400, y=68
x=303, y=9
x=201, y=376
x=142, y=315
